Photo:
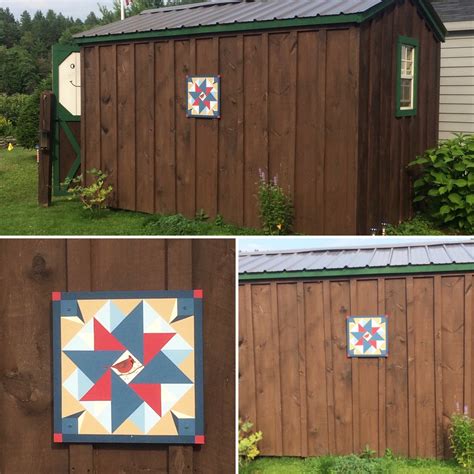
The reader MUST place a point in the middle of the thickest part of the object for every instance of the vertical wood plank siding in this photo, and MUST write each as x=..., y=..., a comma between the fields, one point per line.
x=403, y=402
x=31, y=269
x=315, y=107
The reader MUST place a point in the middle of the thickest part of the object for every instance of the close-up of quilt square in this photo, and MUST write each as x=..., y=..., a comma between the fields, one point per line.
x=367, y=336
x=128, y=367
x=203, y=96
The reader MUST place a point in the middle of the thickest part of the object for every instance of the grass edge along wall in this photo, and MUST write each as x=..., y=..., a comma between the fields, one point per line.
x=309, y=399
x=314, y=105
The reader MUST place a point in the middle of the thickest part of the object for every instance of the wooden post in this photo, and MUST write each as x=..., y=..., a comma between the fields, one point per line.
x=45, y=151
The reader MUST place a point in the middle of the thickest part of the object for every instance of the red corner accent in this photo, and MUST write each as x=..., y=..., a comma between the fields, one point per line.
x=198, y=293
x=58, y=437
x=199, y=439
x=56, y=296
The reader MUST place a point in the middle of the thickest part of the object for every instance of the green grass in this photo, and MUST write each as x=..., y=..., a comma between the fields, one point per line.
x=323, y=465
x=21, y=215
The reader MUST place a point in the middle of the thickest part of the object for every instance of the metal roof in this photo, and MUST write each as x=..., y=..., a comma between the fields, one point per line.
x=454, y=10
x=231, y=12
x=377, y=256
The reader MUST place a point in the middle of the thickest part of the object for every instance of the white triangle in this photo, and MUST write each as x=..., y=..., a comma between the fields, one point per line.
x=153, y=322
x=101, y=411
x=83, y=340
x=151, y=417
x=177, y=343
x=171, y=394
x=103, y=316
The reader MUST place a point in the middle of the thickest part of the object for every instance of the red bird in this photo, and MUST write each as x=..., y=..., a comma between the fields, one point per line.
x=125, y=366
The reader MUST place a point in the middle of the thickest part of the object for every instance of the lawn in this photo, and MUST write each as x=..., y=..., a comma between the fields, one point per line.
x=327, y=464
x=21, y=215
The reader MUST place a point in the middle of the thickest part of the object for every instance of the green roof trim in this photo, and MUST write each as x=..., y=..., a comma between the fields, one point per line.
x=342, y=19
x=349, y=272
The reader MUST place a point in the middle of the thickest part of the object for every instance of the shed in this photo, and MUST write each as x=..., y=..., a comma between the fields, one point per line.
x=457, y=67
x=334, y=98
x=297, y=383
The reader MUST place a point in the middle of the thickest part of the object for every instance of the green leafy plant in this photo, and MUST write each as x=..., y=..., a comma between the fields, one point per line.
x=6, y=127
x=201, y=216
x=461, y=437
x=248, y=441
x=367, y=453
x=445, y=187
x=276, y=207
x=93, y=197
x=356, y=465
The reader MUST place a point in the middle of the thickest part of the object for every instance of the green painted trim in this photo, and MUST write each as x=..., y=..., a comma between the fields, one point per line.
x=346, y=272
x=405, y=40
x=357, y=18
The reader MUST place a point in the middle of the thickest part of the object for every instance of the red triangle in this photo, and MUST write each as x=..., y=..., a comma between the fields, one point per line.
x=374, y=330
x=150, y=393
x=361, y=329
x=373, y=343
x=102, y=390
x=360, y=342
x=153, y=343
x=104, y=341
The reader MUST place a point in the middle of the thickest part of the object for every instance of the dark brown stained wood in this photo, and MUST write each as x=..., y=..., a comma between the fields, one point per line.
x=412, y=415
x=45, y=159
x=29, y=272
x=213, y=271
x=382, y=366
x=397, y=369
x=423, y=290
x=230, y=172
x=282, y=69
x=84, y=111
x=265, y=369
x=309, y=165
x=255, y=122
x=339, y=293
x=126, y=167
x=165, y=154
x=247, y=399
x=315, y=370
x=468, y=340
x=452, y=349
x=185, y=159
x=438, y=362
x=367, y=295
x=355, y=377
x=144, y=122
x=90, y=141
x=341, y=113
x=207, y=142
x=289, y=365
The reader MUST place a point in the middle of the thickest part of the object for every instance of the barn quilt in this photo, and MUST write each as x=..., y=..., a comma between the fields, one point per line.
x=203, y=93
x=128, y=367
x=367, y=336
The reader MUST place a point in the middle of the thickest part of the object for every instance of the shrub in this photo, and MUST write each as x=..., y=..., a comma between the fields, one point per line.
x=248, y=449
x=276, y=207
x=445, y=188
x=6, y=127
x=419, y=225
x=93, y=197
x=461, y=436
x=356, y=465
x=11, y=105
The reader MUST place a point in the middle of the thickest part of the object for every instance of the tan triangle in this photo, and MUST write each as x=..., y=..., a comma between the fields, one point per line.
x=91, y=426
x=185, y=328
x=126, y=306
x=166, y=307
x=69, y=405
x=165, y=426
x=67, y=367
x=186, y=404
x=90, y=307
x=187, y=366
x=128, y=427
x=69, y=328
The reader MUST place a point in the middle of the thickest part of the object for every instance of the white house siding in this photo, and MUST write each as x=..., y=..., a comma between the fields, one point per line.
x=457, y=80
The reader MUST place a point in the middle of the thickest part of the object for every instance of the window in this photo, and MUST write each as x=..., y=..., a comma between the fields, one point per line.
x=407, y=76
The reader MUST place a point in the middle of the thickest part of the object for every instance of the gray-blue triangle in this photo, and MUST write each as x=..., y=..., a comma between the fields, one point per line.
x=130, y=332
x=93, y=363
x=124, y=401
x=161, y=370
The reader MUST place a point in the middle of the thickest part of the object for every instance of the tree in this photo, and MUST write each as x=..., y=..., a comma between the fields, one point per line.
x=9, y=30
x=18, y=71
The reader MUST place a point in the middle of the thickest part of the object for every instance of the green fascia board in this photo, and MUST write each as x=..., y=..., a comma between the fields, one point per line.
x=362, y=272
x=341, y=19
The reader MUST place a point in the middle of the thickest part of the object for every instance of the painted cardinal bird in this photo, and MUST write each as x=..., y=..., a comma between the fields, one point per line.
x=125, y=366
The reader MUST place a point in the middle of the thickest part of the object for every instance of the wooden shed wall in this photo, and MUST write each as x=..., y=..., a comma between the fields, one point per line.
x=289, y=107
x=30, y=270
x=387, y=143
x=298, y=386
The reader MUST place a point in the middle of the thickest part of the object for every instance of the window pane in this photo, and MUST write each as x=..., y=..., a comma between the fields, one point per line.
x=405, y=96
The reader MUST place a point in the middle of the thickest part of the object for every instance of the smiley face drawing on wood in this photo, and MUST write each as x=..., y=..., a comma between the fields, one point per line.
x=70, y=84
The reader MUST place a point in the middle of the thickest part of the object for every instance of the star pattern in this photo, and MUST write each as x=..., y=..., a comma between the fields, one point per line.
x=203, y=96
x=367, y=336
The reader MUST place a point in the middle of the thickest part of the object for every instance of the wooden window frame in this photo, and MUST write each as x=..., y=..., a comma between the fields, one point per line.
x=415, y=44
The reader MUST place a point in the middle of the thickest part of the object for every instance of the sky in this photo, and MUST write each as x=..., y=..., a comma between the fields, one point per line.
x=250, y=244
x=74, y=8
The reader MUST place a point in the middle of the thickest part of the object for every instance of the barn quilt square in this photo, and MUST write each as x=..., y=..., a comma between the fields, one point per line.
x=128, y=367
x=203, y=93
x=367, y=336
